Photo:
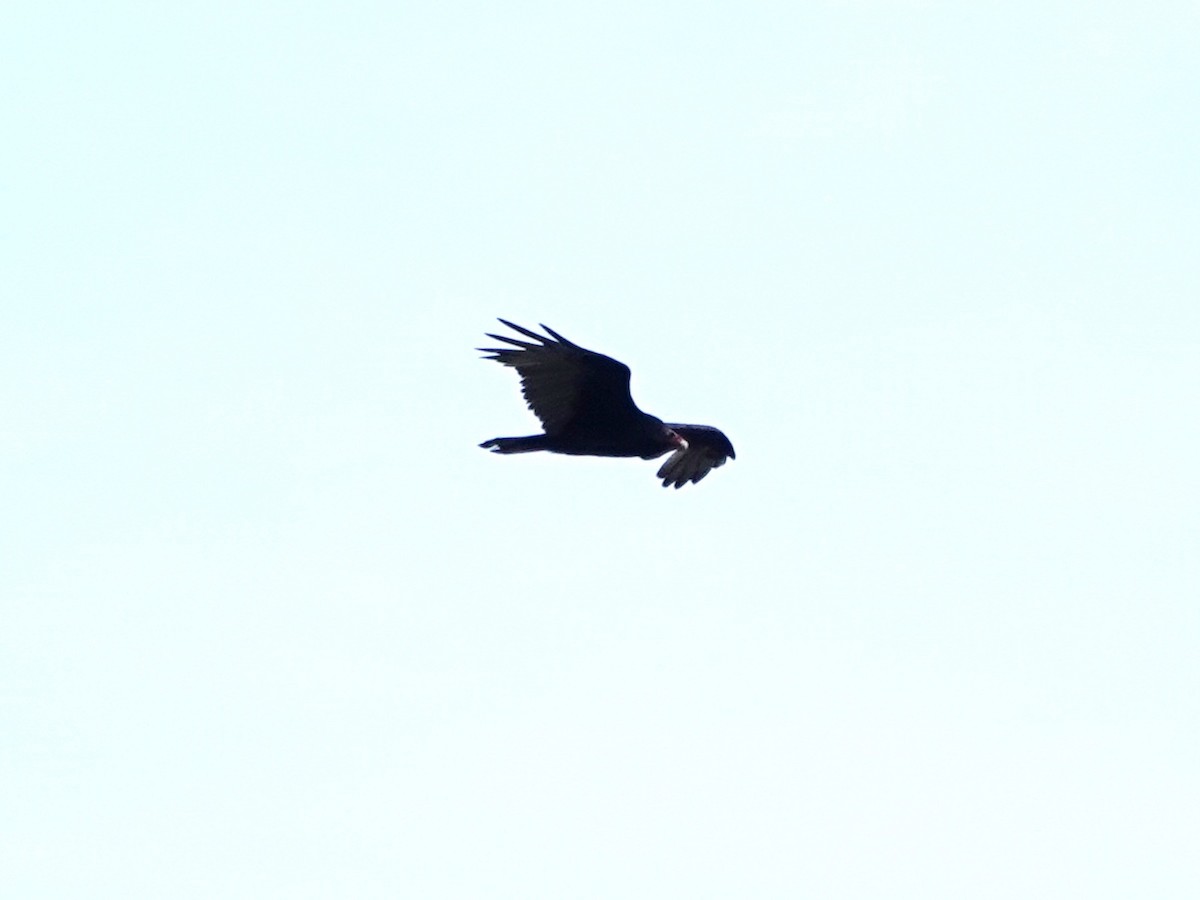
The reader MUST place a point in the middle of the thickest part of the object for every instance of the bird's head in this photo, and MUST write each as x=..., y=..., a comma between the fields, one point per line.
x=662, y=439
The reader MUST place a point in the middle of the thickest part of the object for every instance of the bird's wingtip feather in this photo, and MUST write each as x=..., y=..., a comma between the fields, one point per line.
x=554, y=334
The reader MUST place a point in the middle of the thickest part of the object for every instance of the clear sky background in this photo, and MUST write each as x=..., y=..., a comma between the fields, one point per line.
x=274, y=627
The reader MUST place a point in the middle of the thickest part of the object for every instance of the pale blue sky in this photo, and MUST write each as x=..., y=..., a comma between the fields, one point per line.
x=274, y=626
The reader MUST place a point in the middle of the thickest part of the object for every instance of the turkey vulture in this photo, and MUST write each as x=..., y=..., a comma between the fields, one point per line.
x=583, y=400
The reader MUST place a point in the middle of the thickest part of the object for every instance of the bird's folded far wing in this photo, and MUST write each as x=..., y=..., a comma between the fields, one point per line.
x=562, y=381
x=707, y=449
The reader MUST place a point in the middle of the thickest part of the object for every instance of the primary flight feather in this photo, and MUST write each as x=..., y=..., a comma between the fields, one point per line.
x=583, y=400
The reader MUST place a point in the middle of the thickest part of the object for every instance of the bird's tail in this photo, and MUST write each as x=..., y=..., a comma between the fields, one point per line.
x=516, y=444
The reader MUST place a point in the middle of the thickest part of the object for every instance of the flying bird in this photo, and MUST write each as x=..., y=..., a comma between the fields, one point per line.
x=583, y=400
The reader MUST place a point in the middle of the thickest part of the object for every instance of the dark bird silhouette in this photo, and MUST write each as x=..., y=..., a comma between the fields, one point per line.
x=583, y=400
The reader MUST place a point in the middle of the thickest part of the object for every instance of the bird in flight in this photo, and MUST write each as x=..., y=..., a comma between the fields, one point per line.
x=583, y=400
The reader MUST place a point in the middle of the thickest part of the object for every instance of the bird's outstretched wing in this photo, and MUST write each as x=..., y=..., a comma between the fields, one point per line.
x=562, y=382
x=707, y=449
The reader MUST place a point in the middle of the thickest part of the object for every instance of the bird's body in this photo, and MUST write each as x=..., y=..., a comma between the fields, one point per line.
x=583, y=400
